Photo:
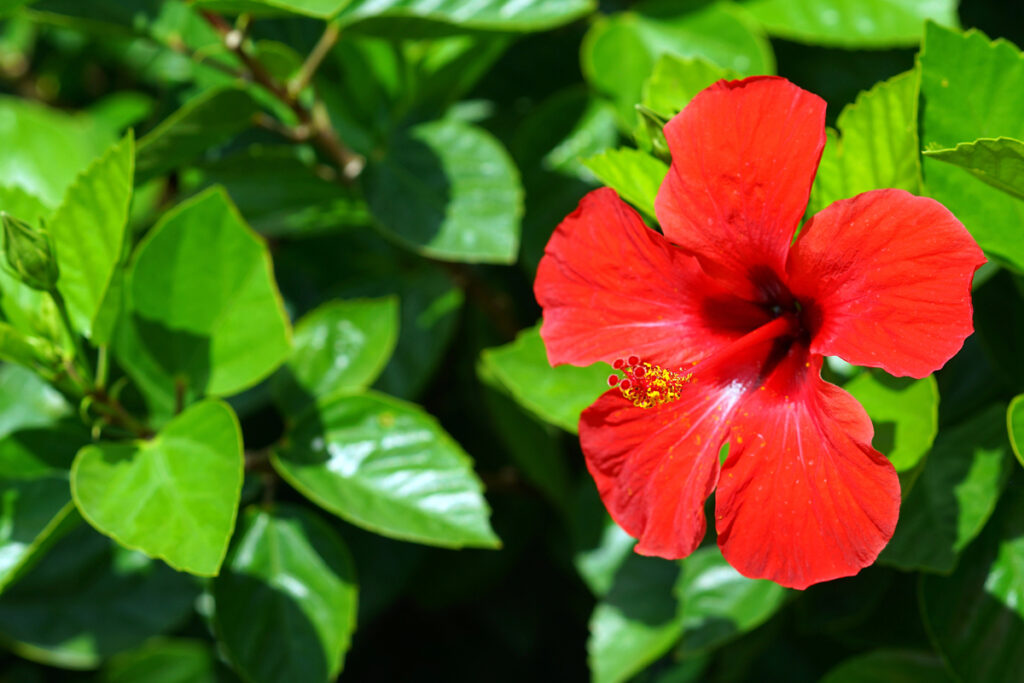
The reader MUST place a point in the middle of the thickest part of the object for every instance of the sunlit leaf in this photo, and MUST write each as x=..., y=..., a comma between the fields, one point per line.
x=958, y=71
x=556, y=395
x=175, y=496
x=876, y=146
x=905, y=413
x=997, y=161
x=635, y=175
x=387, y=466
x=852, y=23
x=1015, y=426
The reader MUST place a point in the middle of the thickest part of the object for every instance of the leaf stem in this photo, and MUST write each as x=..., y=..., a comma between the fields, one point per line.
x=76, y=341
x=316, y=57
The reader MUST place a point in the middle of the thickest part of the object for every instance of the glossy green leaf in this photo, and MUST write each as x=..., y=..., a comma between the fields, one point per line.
x=619, y=51
x=675, y=80
x=387, y=16
x=958, y=71
x=996, y=161
x=876, y=146
x=286, y=602
x=164, y=661
x=321, y=9
x=34, y=458
x=636, y=622
x=387, y=466
x=719, y=603
x=635, y=175
x=280, y=195
x=88, y=232
x=852, y=23
x=461, y=199
x=892, y=666
x=342, y=345
x=975, y=617
x=44, y=149
x=1015, y=426
x=175, y=496
x=954, y=495
x=556, y=395
x=87, y=599
x=206, y=121
x=905, y=413
x=361, y=263
x=203, y=313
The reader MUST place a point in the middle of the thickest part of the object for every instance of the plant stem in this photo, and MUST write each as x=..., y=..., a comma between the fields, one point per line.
x=76, y=341
x=314, y=118
x=315, y=58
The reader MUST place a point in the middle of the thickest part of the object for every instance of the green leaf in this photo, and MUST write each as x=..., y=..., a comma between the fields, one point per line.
x=202, y=309
x=675, y=81
x=320, y=9
x=206, y=121
x=387, y=466
x=719, y=603
x=279, y=195
x=876, y=146
x=342, y=345
x=556, y=395
x=88, y=232
x=173, y=497
x=954, y=495
x=286, y=602
x=31, y=352
x=461, y=199
x=905, y=413
x=637, y=622
x=164, y=661
x=958, y=71
x=852, y=23
x=975, y=617
x=996, y=161
x=89, y=599
x=388, y=16
x=892, y=666
x=34, y=458
x=1015, y=426
x=635, y=175
x=619, y=51
x=45, y=149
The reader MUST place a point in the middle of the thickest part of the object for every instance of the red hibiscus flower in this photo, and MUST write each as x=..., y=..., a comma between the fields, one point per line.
x=727, y=319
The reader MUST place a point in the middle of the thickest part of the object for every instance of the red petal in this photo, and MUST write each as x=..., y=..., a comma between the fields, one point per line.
x=612, y=287
x=655, y=467
x=744, y=154
x=803, y=497
x=889, y=277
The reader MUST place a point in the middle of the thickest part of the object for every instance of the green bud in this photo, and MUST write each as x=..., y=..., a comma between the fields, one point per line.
x=650, y=134
x=29, y=253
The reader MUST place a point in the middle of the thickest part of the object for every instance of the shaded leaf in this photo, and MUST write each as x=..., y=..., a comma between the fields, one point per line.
x=389, y=17
x=61, y=613
x=905, y=413
x=954, y=495
x=164, y=661
x=893, y=666
x=286, y=602
x=461, y=199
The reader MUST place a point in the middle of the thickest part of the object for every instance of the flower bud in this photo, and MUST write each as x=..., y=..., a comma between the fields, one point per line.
x=29, y=253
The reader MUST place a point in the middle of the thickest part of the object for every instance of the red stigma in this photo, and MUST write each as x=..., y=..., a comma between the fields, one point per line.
x=633, y=360
x=618, y=364
x=613, y=380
